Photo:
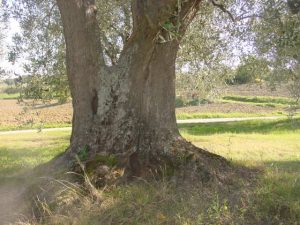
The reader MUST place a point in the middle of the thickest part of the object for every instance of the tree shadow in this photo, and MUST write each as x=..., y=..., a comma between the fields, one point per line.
x=286, y=166
x=48, y=105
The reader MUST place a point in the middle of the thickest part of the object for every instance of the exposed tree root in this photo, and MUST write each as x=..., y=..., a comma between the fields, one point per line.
x=181, y=163
x=177, y=160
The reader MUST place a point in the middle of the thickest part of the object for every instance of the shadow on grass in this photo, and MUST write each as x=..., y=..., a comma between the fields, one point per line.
x=257, y=126
x=15, y=161
x=287, y=166
x=47, y=105
x=279, y=194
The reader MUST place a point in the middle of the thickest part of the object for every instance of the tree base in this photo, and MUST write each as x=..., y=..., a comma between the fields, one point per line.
x=183, y=164
x=181, y=161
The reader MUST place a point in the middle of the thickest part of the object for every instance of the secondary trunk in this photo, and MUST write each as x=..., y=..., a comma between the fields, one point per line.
x=126, y=111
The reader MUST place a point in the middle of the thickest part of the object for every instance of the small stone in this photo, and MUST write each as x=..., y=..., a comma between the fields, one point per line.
x=103, y=170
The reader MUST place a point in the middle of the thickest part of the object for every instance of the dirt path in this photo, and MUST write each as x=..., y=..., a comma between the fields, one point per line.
x=12, y=202
x=35, y=130
x=210, y=120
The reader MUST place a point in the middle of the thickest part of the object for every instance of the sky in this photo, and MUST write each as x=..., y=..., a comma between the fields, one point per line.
x=12, y=28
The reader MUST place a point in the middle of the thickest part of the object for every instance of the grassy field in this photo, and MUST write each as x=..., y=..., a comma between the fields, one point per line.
x=4, y=96
x=260, y=100
x=22, y=152
x=271, y=146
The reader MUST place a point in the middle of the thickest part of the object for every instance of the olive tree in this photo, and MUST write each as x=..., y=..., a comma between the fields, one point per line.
x=120, y=63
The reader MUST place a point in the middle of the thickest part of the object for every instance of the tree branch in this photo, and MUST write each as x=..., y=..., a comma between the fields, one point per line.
x=223, y=8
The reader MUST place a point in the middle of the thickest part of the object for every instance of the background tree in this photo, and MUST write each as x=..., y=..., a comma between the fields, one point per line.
x=2, y=28
x=251, y=69
x=278, y=41
x=202, y=63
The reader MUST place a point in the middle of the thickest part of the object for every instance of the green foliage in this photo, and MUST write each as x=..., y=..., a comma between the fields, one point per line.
x=9, y=82
x=110, y=160
x=11, y=90
x=202, y=62
x=278, y=41
x=250, y=70
x=8, y=90
x=242, y=77
x=186, y=101
x=44, y=88
x=179, y=102
x=84, y=153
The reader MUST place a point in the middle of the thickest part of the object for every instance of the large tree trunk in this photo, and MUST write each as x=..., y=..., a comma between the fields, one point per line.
x=127, y=110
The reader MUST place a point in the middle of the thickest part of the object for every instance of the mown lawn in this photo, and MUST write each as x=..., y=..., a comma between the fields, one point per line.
x=271, y=146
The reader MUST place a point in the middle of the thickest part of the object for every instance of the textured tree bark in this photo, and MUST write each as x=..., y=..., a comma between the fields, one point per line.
x=127, y=111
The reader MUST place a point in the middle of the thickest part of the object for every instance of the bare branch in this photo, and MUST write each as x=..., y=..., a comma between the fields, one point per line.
x=223, y=8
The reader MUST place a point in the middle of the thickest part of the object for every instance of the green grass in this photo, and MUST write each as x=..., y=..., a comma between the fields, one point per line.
x=253, y=126
x=259, y=100
x=272, y=146
x=9, y=96
x=27, y=150
x=184, y=116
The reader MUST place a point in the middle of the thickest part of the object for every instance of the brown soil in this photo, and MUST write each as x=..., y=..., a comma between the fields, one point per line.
x=13, y=113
